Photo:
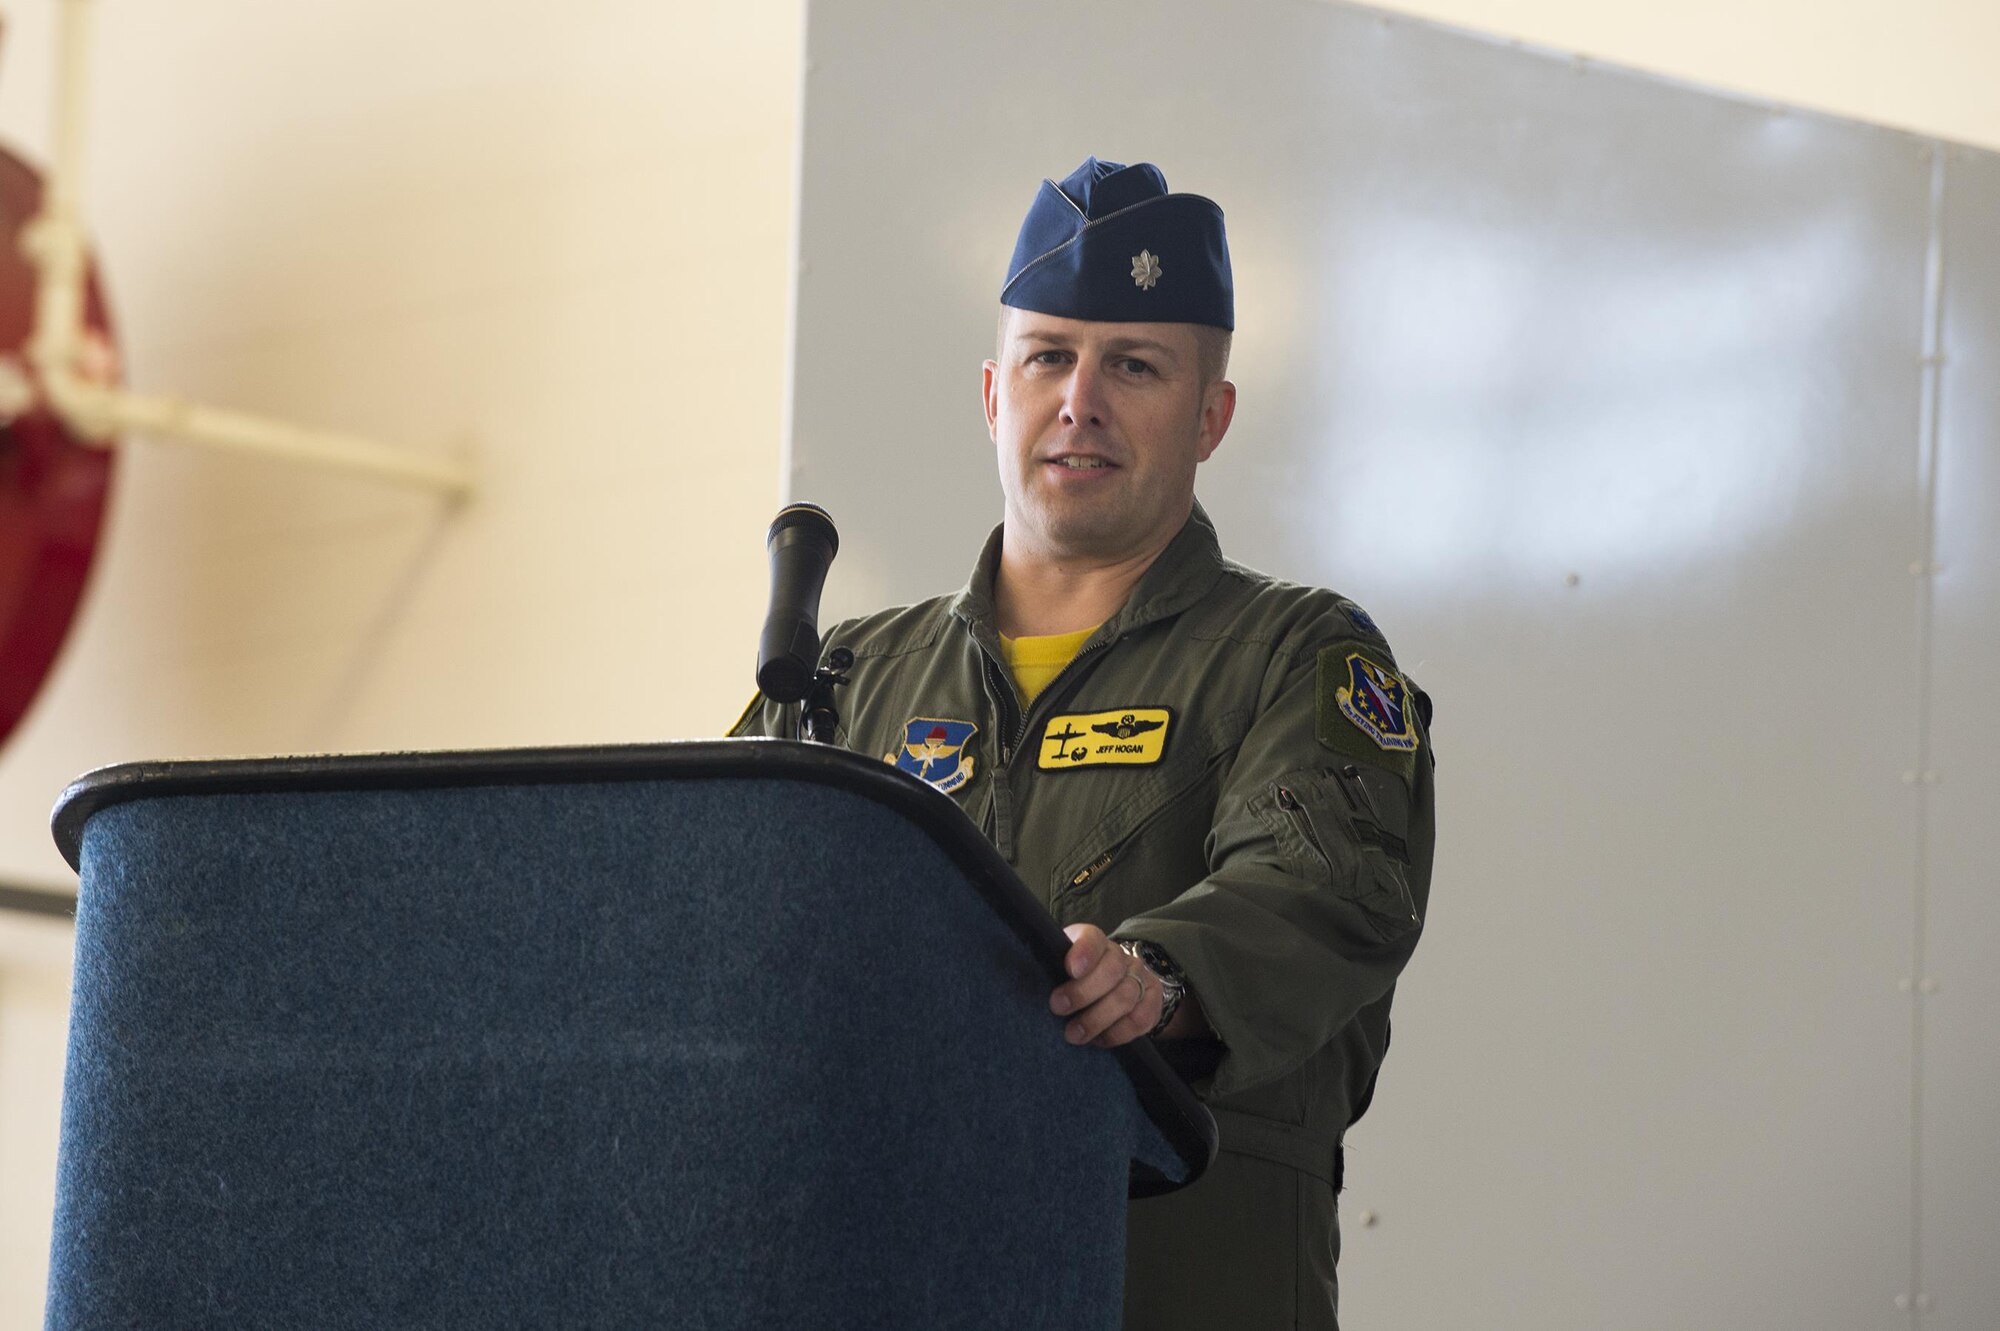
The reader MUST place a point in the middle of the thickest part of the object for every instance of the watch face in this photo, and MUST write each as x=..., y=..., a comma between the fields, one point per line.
x=1162, y=965
x=53, y=484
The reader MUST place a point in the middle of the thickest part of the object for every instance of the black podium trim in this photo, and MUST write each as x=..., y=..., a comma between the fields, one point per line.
x=1185, y=1122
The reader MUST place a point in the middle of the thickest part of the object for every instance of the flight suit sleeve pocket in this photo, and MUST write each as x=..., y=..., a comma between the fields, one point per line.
x=1346, y=828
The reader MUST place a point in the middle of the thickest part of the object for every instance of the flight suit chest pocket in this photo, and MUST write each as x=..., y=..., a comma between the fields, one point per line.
x=1145, y=841
x=1347, y=828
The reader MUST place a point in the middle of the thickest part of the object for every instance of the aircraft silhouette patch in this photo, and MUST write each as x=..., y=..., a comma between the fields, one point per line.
x=1128, y=735
x=933, y=751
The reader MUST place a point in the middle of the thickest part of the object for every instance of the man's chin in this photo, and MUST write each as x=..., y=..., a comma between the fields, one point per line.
x=1094, y=535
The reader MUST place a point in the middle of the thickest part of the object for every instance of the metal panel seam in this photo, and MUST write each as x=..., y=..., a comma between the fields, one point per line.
x=1931, y=369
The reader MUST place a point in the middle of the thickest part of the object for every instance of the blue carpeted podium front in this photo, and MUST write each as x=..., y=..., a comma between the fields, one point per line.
x=726, y=1034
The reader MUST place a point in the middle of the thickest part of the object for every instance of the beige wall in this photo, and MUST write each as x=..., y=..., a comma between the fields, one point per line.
x=1922, y=65
x=561, y=235
x=562, y=243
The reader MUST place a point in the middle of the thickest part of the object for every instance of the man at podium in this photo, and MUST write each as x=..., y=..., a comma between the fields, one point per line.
x=1220, y=783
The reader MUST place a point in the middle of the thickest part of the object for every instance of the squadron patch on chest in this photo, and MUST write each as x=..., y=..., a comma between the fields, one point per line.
x=1129, y=735
x=933, y=751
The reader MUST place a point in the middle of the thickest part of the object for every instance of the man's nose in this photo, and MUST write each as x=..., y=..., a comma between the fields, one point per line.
x=1083, y=396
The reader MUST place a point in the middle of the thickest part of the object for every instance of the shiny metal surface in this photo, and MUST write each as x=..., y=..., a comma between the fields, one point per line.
x=1606, y=397
x=1960, y=924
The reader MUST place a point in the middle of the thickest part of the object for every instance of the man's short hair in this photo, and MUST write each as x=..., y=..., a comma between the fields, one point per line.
x=1212, y=352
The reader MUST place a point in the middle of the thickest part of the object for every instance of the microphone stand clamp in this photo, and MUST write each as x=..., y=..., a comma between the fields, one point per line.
x=818, y=719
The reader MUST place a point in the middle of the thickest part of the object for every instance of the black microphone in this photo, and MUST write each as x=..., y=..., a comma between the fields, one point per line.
x=802, y=543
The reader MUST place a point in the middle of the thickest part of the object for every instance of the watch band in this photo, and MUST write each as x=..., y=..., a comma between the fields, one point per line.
x=1173, y=980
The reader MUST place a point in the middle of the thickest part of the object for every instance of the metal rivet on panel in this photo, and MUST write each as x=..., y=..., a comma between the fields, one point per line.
x=1369, y=1219
x=1902, y=1303
x=1572, y=579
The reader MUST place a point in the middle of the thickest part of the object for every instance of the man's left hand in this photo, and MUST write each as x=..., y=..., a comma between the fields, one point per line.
x=1110, y=998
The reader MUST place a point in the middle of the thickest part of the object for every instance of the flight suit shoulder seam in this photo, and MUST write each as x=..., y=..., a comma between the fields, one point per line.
x=891, y=633
x=1293, y=612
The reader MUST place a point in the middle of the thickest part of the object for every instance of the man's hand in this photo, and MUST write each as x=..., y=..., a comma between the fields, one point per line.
x=1110, y=998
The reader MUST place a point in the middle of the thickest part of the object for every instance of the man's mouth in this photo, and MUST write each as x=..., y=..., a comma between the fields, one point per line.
x=1079, y=462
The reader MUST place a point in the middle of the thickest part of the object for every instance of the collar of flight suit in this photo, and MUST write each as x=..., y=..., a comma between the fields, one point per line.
x=1181, y=576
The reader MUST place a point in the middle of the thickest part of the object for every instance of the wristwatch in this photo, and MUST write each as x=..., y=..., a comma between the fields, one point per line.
x=1173, y=980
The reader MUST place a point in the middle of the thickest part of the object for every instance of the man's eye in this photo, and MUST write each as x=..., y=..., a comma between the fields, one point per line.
x=1133, y=365
x=1046, y=358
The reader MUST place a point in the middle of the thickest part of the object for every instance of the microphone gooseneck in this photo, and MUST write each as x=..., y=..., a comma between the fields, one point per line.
x=802, y=542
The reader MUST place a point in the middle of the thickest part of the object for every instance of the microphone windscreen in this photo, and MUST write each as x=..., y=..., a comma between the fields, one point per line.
x=802, y=542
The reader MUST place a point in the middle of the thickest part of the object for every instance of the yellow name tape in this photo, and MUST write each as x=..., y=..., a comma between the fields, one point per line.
x=1090, y=739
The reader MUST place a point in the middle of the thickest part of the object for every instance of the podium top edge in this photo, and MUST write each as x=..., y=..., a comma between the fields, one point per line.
x=706, y=759
x=1172, y=1106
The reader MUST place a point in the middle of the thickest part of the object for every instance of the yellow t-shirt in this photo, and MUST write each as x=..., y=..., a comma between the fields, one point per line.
x=1035, y=662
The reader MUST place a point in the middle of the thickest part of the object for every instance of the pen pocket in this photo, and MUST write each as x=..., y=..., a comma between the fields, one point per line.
x=1339, y=828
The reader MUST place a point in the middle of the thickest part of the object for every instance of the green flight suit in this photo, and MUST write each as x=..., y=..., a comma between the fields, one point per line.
x=1274, y=835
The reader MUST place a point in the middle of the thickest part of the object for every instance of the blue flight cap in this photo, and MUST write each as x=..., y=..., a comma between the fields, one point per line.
x=1110, y=243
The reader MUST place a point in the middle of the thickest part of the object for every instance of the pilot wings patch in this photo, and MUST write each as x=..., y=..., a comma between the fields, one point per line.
x=1130, y=735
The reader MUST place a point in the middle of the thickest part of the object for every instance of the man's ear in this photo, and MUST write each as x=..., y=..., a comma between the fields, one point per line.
x=1218, y=407
x=989, y=388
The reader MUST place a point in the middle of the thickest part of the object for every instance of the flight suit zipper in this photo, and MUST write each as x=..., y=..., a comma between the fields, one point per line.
x=1097, y=865
x=1001, y=691
x=1009, y=747
x=1001, y=687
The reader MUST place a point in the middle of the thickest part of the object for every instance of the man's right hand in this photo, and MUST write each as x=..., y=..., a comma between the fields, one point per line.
x=1111, y=998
